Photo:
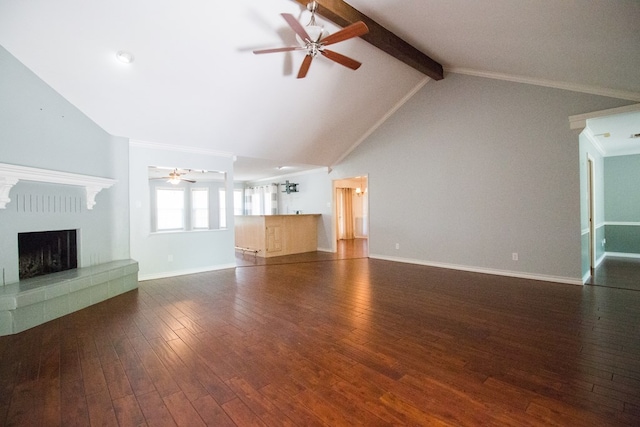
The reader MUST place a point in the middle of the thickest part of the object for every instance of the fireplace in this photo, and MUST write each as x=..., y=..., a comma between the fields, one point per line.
x=46, y=252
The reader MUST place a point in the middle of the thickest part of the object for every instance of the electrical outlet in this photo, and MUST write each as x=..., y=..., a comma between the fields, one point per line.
x=514, y=256
x=397, y=245
x=604, y=241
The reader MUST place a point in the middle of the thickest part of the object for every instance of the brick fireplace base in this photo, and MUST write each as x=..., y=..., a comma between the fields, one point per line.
x=38, y=300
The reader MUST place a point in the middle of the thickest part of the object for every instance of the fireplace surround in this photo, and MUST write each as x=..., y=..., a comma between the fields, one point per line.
x=34, y=200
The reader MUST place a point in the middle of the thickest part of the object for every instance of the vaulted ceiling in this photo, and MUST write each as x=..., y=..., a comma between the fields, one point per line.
x=194, y=80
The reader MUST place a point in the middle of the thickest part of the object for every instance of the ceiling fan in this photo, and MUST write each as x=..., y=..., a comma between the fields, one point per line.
x=175, y=178
x=312, y=41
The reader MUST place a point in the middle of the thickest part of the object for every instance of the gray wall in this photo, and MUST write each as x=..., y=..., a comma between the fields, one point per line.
x=39, y=128
x=622, y=204
x=471, y=170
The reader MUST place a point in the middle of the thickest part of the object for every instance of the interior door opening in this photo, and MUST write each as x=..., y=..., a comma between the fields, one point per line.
x=352, y=216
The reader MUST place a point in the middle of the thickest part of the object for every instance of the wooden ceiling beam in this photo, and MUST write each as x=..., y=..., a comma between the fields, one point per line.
x=342, y=14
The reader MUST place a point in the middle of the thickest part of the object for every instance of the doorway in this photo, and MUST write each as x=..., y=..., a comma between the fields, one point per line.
x=609, y=248
x=591, y=213
x=351, y=228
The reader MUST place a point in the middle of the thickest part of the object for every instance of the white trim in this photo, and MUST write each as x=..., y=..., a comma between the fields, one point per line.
x=179, y=148
x=622, y=255
x=622, y=223
x=586, y=230
x=184, y=272
x=594, y=141
x=384, y=118
x=11, y=174
x=579, y=121
x=574, y=87
x=508, y=273
x=329, y=250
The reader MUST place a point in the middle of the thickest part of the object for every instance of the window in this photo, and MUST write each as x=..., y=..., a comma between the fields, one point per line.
x=189, y=204
x=199, y=208
x=170, y=208
x=222, y=203
x=256, y=204
x=238, y=209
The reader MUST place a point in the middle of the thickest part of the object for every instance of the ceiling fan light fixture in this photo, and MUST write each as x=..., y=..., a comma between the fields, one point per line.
x=315, y=43
x=125, y=57
x=174, y=180
x=316, y=32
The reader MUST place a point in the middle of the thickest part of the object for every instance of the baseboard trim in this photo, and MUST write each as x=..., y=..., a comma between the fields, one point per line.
x=622, y=255
x=166, y=274
x=508, y=273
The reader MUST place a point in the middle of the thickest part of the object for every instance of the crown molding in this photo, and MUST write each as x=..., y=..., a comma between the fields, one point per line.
x=383, y=119
x=574, y=87
x=579, y=121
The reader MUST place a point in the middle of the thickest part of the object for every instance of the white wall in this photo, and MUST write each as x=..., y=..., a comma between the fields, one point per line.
x=190, y=251
x=471, y=170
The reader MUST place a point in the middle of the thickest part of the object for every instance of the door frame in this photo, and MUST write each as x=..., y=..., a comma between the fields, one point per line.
x=591, y=208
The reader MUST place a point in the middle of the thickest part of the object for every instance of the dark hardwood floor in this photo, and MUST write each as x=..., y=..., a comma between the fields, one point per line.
x=333, y=342
x=615, y=272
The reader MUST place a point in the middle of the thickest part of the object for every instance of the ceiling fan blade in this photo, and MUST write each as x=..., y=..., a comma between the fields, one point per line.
x=354, y=30
x=304, y=68
x=278, y=49
x=296, y=26
x=341, y=59
x=188, y=180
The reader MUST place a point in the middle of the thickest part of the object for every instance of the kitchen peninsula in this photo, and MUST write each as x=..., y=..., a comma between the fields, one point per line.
x=276, y=235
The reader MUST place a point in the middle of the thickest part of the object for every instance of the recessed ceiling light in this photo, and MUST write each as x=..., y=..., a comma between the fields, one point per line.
x=124, y=56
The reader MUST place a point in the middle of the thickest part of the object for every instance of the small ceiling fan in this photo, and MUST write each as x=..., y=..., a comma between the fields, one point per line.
x=175, y=178
x=311, y=40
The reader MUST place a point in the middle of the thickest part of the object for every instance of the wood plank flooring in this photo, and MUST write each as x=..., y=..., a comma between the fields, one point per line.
x=617, y=272
x=333, y=342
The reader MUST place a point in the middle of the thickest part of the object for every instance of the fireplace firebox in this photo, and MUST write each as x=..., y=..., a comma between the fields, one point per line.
x=46, y=252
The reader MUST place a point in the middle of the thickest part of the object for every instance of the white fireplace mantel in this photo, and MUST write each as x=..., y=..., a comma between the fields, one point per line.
x=11, y=174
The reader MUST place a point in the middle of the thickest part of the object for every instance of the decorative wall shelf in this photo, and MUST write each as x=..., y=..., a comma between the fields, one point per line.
x=11, y=174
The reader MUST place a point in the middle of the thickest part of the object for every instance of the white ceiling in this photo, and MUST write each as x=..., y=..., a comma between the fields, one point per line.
x=616, y=135
x=195, y=82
